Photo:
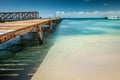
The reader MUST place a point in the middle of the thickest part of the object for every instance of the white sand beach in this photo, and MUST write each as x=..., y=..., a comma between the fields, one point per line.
x=95, y=57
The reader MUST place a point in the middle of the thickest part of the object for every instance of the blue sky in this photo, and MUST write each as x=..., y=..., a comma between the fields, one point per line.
x=70, y=8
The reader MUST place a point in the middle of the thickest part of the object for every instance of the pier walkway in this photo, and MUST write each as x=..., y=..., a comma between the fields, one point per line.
x=9, y=30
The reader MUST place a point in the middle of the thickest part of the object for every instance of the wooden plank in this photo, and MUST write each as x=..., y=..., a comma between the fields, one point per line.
x=9, y=30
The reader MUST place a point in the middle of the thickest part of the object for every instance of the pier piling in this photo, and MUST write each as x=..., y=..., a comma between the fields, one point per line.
x=40, y=34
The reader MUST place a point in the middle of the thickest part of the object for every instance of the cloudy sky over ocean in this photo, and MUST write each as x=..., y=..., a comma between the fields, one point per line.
x=64, y=8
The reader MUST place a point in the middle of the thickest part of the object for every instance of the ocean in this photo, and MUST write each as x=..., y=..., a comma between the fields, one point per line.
x=71, y=36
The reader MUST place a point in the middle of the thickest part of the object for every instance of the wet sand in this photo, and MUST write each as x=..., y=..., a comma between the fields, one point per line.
x=95, y=57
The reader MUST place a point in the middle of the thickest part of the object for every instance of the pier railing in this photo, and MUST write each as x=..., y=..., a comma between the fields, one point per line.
x=8, y=16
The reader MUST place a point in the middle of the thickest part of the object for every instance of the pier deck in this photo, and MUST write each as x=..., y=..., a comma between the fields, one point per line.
x=9, y=30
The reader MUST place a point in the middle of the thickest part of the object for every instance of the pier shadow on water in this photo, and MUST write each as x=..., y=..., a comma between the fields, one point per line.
x=19, y=62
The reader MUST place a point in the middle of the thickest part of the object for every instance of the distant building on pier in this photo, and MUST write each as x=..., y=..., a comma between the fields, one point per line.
x=11, y=16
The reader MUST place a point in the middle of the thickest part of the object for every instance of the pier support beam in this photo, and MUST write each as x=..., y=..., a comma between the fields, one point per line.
x=55, y=22
x=50, y=26
x=40, y=34
x=21, y=40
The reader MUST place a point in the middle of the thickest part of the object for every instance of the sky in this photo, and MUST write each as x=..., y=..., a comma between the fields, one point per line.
x=64, y=8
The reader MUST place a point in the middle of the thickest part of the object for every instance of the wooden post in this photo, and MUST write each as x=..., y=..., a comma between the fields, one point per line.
x=40, y=34
x=50, y=26
x=54, y=23
x=21, y=40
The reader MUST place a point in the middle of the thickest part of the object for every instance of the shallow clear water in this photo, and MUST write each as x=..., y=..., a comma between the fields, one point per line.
x=19, y=62
x=88, y=27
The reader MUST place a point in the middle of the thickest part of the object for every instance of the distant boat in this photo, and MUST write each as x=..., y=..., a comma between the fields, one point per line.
x=113, y=17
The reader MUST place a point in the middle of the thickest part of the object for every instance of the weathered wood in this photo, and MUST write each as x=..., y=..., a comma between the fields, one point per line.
x=40, y=34
x=10, y=30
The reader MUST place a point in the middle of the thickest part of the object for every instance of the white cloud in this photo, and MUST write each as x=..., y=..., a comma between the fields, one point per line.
x=96, y=12
x=87, y=14
x=81, y=12
x=60, y=12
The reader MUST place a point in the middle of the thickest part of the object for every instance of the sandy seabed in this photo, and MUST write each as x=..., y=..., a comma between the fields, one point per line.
x=95, y=57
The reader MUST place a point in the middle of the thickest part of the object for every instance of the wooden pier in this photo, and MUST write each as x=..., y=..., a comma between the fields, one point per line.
x=10, y=30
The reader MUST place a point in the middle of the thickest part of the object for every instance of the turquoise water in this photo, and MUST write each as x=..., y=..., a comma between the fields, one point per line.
x=24, y=60
x=78, y=27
